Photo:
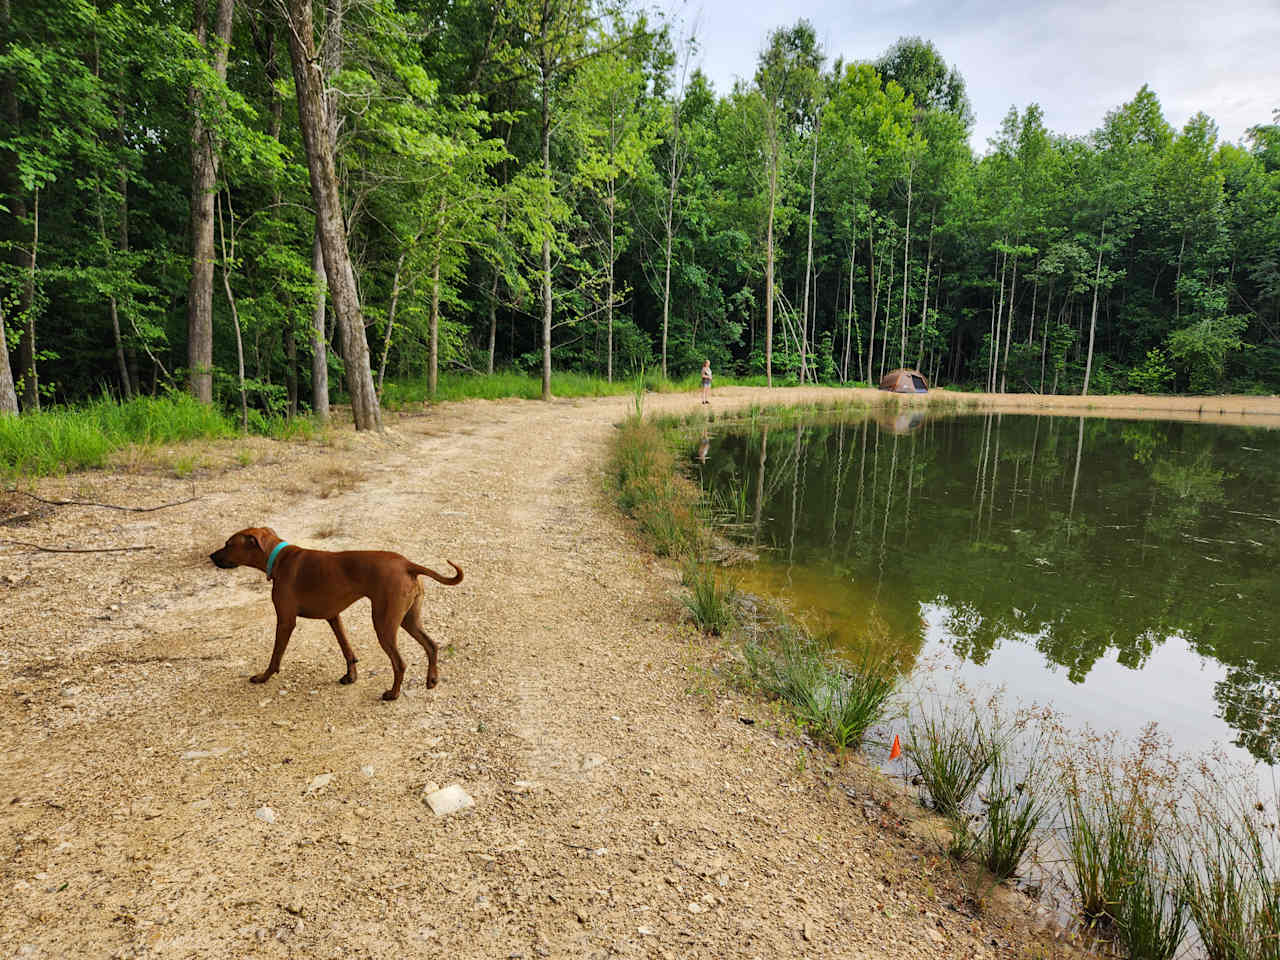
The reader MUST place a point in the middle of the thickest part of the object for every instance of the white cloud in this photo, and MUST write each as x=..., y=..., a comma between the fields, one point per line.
x=1076, y=59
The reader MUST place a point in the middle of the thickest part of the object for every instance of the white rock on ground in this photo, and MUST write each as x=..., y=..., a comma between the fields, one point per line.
x=449, y=800
x=265, y=814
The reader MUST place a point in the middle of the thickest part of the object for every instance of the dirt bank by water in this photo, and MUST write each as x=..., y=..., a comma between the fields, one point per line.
x=623, y=806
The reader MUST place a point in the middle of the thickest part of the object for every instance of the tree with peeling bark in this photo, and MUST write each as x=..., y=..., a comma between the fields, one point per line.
x=339, y=272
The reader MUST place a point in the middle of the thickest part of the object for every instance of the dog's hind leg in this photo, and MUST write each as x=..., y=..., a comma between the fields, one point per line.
x=384, y=624
x=345, y=647
x=413, y=624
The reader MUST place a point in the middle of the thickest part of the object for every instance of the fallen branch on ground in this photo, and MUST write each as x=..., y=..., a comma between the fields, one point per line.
x=94, y=503
x=36, y=546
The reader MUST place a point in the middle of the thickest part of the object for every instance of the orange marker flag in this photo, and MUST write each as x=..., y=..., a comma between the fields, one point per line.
x=896, y=750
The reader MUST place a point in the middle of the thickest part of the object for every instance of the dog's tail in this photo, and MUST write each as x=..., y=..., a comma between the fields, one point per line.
x=417, y=570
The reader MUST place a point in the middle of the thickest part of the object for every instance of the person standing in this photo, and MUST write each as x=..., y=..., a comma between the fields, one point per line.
x=706, y=381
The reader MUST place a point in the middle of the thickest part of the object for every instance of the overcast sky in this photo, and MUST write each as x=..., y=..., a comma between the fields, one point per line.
x=1076, y=58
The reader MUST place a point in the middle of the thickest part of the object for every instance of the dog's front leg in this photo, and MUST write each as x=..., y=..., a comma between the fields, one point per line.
x=345, y=647
x=284, y=630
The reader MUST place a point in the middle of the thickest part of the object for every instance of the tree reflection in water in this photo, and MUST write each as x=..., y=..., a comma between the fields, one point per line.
x=1081, y=539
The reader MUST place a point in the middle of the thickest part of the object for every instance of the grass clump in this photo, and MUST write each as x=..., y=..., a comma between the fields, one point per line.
x=1015, y=805
x=952, y=756
x=1230, y=878
x=710, y=601
x=834, y=700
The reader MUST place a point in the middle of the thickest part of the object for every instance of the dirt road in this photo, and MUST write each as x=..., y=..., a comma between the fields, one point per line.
x=622, y=806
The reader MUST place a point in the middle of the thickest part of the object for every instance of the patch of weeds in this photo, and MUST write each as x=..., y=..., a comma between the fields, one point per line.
x=1230, y=875
x=185, y=464
x=834, y=700
x=711, y=598
x=337, y=479
x=952, y=752
x=666, y=506
x=326, y=531
x=1015, y=805
x=246, y=457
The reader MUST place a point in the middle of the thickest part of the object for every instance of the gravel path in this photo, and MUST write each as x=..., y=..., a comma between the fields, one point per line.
x=156, y=804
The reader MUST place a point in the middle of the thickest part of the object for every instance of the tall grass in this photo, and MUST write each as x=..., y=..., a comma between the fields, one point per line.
x=1015, y=804
x=836, y=701
x=82, y=437
x=711, y=598
x=1230, y=878
x=665, y=505
x=952, y=755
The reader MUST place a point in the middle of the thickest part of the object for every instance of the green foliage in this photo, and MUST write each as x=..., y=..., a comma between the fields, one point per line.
x=1154, y=375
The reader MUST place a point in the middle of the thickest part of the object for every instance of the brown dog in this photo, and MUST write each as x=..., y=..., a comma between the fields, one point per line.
x=320, y=584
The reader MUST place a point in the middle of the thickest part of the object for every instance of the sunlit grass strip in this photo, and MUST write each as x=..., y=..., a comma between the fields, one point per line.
x=665, y=505
x=513, y=384
x=81, y=438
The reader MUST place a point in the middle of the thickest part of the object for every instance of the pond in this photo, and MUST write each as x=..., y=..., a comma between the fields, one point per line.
x=1121, y=572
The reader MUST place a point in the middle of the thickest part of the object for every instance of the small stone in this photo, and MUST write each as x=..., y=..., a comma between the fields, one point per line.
x=294, y=906
x=809, y=932
x=318, y=783
x=647, y=932
x=935, y=936
x=367, y=770
x=449, y=800
x=265, y=814
x=202, y=804
x=696, y=907
x=203, y=754
x=591, y=761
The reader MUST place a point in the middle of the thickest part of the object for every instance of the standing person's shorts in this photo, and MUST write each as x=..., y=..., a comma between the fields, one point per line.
x=706, y=381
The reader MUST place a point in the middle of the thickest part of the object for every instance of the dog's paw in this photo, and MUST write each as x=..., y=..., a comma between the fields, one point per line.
x=260, y=678
x=346, y=678
x=432, y=681
x=390, y=695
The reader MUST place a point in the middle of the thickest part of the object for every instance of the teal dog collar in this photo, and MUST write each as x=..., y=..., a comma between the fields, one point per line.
x=271, y=560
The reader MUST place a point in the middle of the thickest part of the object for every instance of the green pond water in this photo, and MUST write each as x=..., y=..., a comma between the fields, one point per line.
x=1121, y=572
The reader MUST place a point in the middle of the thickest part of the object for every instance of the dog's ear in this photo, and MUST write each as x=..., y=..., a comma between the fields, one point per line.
x=252, y=541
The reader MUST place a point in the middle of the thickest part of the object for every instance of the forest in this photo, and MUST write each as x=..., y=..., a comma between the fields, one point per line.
x=276, y=204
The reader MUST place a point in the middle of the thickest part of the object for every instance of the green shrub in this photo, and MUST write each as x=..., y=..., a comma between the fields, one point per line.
x=710, y=600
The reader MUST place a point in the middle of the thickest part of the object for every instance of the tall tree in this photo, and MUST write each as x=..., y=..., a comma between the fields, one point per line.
x=309, y=83
x=205, y=93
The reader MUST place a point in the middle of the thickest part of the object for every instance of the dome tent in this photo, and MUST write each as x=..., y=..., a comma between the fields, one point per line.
x=904, y=381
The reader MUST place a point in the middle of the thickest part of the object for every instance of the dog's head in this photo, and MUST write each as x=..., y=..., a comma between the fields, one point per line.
x=248, y=548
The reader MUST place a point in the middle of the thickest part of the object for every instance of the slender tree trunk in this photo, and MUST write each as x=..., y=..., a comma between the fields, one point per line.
x=994, y=361
x=8, y=393
x=849, y=320
x=875, y=298
x=888, y=313
x=204, y=175
x=1044, y=335
x=609, y=299
x=924, y=303
x=673, y=178
x=227, y=259
x=319, y=349
x=546, y=234
x=1093, y=315
x=493, y=319
x=906, y=272
x=1177, y=292
x=309, y=83
x=18, y=211
x=1008, y=326
x=768, y=275
x=433, y=369
x=808, y=261
x=391, y=322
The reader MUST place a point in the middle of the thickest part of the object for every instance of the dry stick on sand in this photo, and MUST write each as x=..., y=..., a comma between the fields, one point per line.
x=94, y=503
x=36, y=546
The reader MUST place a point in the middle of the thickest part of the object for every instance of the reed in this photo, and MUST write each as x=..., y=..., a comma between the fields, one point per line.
x=711, y=598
